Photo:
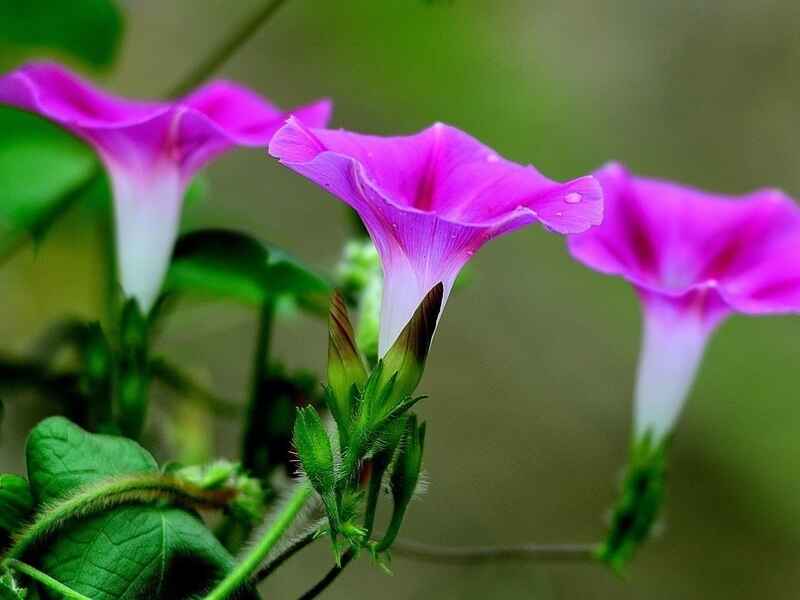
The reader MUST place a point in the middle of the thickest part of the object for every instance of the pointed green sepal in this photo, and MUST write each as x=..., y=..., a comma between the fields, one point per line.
x=406, y=358
x=639, y=503
x=405, y=477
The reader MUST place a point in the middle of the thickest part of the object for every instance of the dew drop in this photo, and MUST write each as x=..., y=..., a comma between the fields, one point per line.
x=559, y=214
x=492, y=158
x=572, y=198
x=394, y=225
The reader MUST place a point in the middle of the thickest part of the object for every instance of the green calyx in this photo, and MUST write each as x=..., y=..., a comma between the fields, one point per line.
x=404, y=363
x=639, y=503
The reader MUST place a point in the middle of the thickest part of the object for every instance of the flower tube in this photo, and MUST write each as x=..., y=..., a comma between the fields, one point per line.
x=150, y=150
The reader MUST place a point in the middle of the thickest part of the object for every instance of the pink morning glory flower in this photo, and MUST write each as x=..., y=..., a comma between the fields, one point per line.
x=429, y=201
x=694, y=258
x=151, y=150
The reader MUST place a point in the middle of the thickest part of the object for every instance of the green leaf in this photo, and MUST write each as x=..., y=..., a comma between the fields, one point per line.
x=148, y=551
x=233, y=265
x=138, y=552
x=89, y=30
x=16, y=505
x=29, y=148
x=62, y=457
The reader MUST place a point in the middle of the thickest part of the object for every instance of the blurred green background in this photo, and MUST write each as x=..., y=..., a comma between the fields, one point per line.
x=531, y=372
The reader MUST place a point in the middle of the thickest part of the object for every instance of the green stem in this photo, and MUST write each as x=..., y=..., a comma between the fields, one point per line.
x=45, y=580
x=480, y=554
x=94, y=499
x=241, y=574
x=252, y=437
x=227, y=48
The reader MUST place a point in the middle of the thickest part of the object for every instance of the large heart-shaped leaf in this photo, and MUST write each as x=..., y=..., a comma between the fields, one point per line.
x=42, y=170
x=129, y=552
x=231, y=264
x=62, y=457
x=89, y=30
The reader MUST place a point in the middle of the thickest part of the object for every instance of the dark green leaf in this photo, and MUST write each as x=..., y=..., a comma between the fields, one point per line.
x=16, y=505
x=148, y=551
x=234, y=265
x=29, y=148
x=62, y=457
x=89, y=30
x=138, y=552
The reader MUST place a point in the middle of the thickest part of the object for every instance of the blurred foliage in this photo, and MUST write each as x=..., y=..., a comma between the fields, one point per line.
x=88, y=30
x=233, y=265
x=30, y=147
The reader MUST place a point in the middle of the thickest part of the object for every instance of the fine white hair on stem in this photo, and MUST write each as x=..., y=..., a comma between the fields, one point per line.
x=308, y=519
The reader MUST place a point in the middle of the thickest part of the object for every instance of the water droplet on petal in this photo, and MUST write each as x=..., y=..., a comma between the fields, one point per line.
x=492, y=158
x=559, y=214
x=572, y=198
x=394, y=225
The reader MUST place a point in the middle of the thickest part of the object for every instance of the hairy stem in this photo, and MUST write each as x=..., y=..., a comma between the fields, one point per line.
x=242, y=572
x=227, y=48
x=98, y=498
x=45, y=580
x=478, y=554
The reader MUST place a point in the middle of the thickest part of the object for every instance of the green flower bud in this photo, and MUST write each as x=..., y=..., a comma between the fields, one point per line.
x=639, y=503
x=346, y=371
x=316, y=455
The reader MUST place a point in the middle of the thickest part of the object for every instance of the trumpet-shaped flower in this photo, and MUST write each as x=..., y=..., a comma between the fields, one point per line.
x=694, y=258
x=429, y=201
x=150, y=150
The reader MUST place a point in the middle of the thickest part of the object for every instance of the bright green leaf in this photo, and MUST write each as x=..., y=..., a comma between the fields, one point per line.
x=89, y=30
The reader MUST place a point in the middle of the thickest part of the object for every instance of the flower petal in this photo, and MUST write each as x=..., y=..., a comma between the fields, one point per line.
x=672, y=240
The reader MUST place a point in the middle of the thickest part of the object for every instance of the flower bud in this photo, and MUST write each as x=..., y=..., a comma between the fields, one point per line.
x=639, y=503
x=345, y=369
x=316, y=455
